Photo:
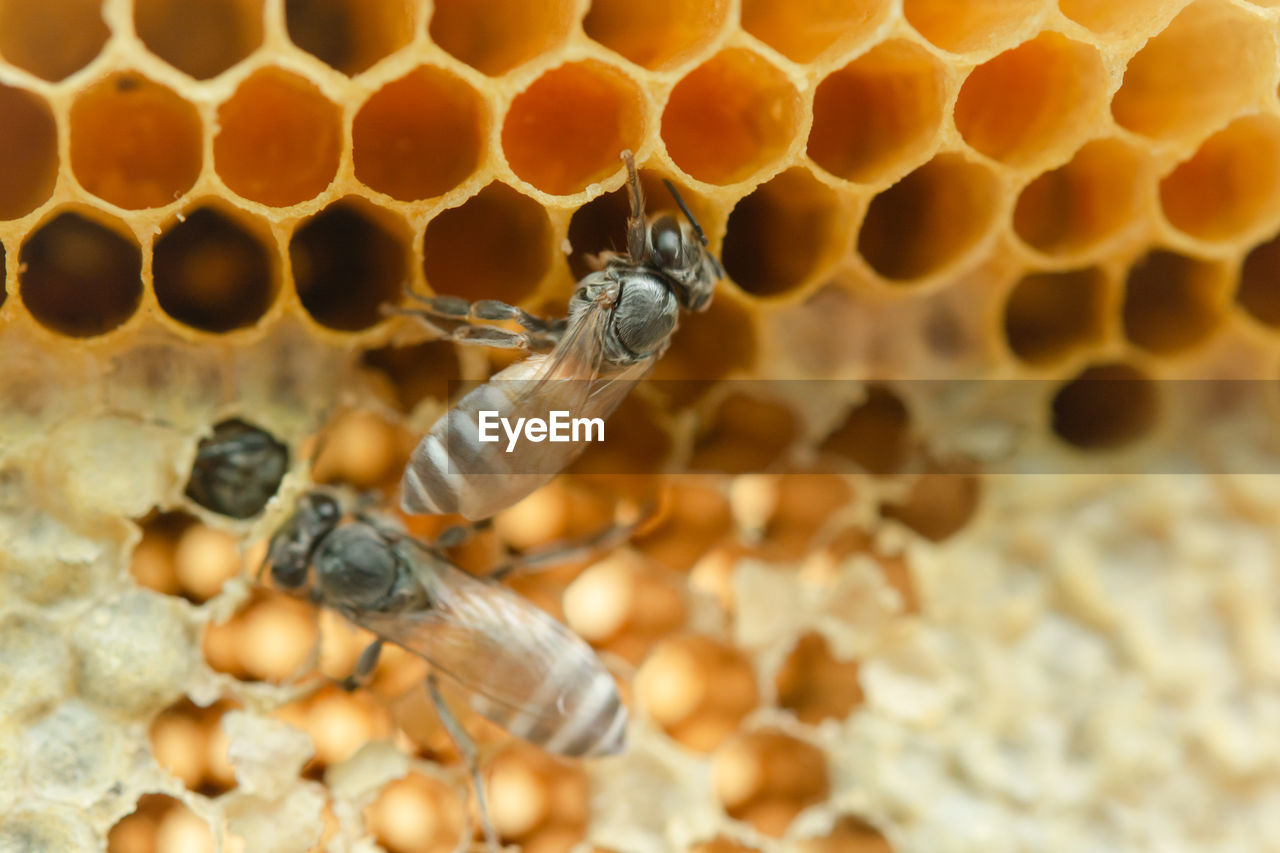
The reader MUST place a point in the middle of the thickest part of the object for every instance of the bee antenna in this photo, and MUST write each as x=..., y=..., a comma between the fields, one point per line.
x=684, y=208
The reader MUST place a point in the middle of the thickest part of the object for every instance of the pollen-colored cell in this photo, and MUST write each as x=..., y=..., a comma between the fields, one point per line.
x=51, y=39
x=28, y=152
x=1105, y=407
x=876, y=433
x=568, y=128
x=1173, y=302
x=279, y=139
x=202, y=39
x=930, y=219
x=1052, y=314
x=348, y=261
x=766, y=778
x=785, y=235
x=879, y=112
x=135, y=143
x=349, y=35
x=814, y=685
x=1080, y=205
x=804, y=30
x=212, y=273
x=730, y=117
x=1230, y=186
x=1207, y=66
x=1033, y=103
x=419, y=136
x=973, y=26
x=656, y=35
x=498, y=35
x=80, y=278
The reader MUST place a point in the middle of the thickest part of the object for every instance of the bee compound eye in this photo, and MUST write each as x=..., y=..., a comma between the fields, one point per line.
x=667, y=242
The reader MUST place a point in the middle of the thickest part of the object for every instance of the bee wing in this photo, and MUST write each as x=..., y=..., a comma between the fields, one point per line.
x=523, y=670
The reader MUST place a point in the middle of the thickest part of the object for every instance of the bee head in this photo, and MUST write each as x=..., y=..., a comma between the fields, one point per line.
x=293, y=544
x=679, y=251
x=356, y=567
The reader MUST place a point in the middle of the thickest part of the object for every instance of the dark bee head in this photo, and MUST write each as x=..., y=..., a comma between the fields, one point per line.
x=237, y=470
x=679, y=251
x=294, y=543
x=356, y=567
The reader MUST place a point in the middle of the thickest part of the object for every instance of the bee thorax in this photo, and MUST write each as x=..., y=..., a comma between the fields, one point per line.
x=645, y=315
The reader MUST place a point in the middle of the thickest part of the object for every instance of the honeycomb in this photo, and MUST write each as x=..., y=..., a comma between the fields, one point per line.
x=963, y=536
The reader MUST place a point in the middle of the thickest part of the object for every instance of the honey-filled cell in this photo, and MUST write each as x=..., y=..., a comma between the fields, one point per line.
x=53, y=39
x=28, y=150
x=134, y=142
x=201, y=39
x=349, y=35
x=79, y=278
x=656, y=35
x=497, y=36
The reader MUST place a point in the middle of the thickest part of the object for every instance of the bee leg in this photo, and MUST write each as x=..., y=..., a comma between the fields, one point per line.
x=467, y=748
x=637, y=228
x=456, y=534
x=365, y=665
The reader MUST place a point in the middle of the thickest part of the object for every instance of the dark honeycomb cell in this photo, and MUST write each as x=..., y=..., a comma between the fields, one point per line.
x=53, y=38
x=28, y=150
x=784, y=235
x=279, y=139
x=1259, y=288
x=1049, y=315
x=202, y=39
x=1105, y=407
x=568, y=128
x=876, y=434
x=212, y=274
x=938, y=505
x=80, y=278
x=495, y=246
x=814, y=685
x=497, y=35
x=350, y=35
x=419, y=136
x=135, y=143
x=658, y=34
x=1173, y=302
x=348, y=262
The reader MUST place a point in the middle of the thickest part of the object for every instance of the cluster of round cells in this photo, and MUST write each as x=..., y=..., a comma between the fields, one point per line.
x=1126, y=162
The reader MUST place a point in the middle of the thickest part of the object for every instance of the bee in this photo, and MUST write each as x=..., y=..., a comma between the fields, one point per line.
x=521, y=668
x=237, y=470
x=620, y=321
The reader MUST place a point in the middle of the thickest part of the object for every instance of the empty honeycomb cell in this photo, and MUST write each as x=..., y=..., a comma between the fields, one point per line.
x=495, y=246
x=160, y=824
x=568, y=127
x=1032, y=103
x=415, y=372
x=213, y=274
x=1050, y=315
x=79, y=278
x=28, y=150
x=815, y=686
x=930, y=219
x=730, y=117
x=279, y=139
x=349, y=35
x=1230, y=185
x=347, y=264
x=1082, y=203
x=1105, y=407
x=201, y=39
x=938, y=505
x=497, y=36
x=135, y=143
x=878, y=112
x=697, y=689
x=1173, y=302
x=1210, y=63
x=657, y=35
x=51, y=40
x=876, y=434
x=1123, y=19
x=851, y=834
x=745, y=435
x=766, y=778
x=1258, y=291
x=803, y=31
x=963, y=26
x=708, y=346
x=419, y=136
x=787, y=233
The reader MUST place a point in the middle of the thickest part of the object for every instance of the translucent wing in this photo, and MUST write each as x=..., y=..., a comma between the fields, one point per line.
x=524, y=670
